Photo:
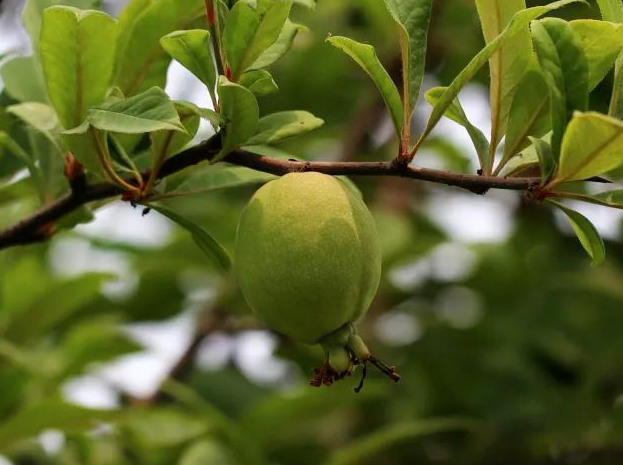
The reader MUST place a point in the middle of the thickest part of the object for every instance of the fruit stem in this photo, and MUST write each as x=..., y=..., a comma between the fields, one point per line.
x=389, y=371
x=363, y=378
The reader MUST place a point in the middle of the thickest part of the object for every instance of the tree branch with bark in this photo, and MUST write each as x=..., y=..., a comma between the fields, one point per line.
x=39, y=226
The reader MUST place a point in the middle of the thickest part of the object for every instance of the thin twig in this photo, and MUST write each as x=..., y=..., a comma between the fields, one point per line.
x=39, y=225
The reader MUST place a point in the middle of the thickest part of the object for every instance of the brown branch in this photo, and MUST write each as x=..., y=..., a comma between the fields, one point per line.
x=39, y=226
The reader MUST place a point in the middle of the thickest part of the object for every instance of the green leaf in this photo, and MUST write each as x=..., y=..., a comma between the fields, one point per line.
x=127, y=19
x=192, y=50
x=248, y=33
x=546, y=157
x=202, y=238
x=366, y=57
x=611, y=197
x=205, y=113
x=81, y=142
x=214, y=177
x=155, y=429
x=40, y=116
x=412, y=17
x=142, y=63
x=20, y=358
x=601, y=42
x=528, y=115
x=81, y=215
x=12, y=146
x=33, y=419
x=586, y=233
x=280, y=47
x=53, y=306
x=24, y=90
x=506, y=66
x=565, y=71
x=204, y=452
x=311, y=4
x=386, y=437
x=33, y=12
x=276, y=127
x=149, y=111
x=27, y=158
x=516, y=25
x=241, y=112
x=77, y=53
x=456, y=113
x=97, y=340
x=167, y=143
x=592, y=145
x=612, y=10
x=258, y=81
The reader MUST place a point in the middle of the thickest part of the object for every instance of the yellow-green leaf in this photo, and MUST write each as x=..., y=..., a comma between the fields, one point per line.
x=592, y=145
x=77, y=53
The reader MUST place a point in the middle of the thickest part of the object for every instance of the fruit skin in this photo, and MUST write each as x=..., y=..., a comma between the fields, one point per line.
x=307, y=255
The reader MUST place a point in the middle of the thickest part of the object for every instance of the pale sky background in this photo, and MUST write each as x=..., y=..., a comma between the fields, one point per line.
x=466, y=218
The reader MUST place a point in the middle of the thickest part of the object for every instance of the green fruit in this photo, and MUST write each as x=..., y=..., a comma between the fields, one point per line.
x=308, y=259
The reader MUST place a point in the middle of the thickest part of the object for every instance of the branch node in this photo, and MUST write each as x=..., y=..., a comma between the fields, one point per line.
x=74, y=172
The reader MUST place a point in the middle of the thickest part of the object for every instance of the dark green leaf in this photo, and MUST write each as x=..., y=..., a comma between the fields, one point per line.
x=565, y=71
x=586, y=232
x=456, y=113
x=528, y=115
x=546, y=158
x=192, y=49
x=412, y=17
x=202, y=238
x=248, y=34
x=239, y=108
x=280, y=47
x=388, y=436
x=365, y=56
x=142, y=63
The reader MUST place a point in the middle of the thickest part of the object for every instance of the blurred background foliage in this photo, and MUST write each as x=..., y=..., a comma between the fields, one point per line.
x=508, y=343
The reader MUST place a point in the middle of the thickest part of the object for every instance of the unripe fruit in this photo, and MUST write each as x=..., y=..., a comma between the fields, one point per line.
x=308, y=262
x=307, y=255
